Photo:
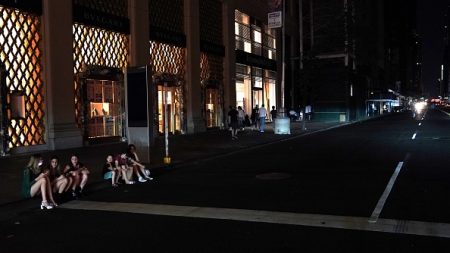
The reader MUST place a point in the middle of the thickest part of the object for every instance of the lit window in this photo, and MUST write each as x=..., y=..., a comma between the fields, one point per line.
x=247, y=47
x=257, y=36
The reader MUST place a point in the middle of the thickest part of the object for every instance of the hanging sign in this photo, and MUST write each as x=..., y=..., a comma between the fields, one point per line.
x=274, y=19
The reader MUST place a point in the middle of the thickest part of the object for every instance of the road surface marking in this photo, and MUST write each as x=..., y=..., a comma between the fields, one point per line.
x=379, y=207
x=414, y=136
x=283, y=218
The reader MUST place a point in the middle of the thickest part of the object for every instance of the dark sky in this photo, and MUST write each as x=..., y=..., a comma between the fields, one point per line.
x=430, y=23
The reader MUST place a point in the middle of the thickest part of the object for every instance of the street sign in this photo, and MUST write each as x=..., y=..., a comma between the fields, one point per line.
x=274, y=19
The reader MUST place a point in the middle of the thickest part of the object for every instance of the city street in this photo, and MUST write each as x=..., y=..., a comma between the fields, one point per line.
x=379, y=185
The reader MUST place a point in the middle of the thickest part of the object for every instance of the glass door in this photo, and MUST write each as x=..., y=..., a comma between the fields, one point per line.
x=173, y=109
x=212, y=107
x=258, y=97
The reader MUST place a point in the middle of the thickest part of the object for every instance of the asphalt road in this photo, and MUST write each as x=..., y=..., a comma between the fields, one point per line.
x=377, y=186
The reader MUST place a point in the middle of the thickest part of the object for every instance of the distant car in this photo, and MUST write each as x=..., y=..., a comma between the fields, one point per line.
x=398, y=108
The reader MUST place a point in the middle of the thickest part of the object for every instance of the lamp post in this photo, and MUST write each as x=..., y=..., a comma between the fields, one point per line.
x=167, y=159
x=282, y=123
x=3, y=112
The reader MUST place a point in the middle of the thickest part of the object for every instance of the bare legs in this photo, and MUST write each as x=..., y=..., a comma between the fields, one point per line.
x=84, y=178
x=43, y=186
x=60, y=185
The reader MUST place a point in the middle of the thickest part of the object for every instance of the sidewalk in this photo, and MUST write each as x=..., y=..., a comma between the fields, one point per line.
x=182, y=149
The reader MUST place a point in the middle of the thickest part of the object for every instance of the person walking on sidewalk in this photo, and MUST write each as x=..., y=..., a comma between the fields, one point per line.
x=35, y=182
x=255, y=117
x=241, y=118
x=262, y=118
x=233, y=122
x=273, y=113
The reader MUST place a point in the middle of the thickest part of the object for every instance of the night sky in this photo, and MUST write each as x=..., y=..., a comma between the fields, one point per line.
x=430, y=23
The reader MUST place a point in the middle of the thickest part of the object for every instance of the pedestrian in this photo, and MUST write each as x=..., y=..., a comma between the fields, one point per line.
x=247, y=121
x=233, y=122
x=273, y=113
x=36, y=182
x=293, y=114
x=241, y=117
x=262, y=118
x=255, y=117
x=308, y=111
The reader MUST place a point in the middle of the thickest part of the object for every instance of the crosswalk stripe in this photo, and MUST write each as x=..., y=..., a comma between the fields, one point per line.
x=285, y=218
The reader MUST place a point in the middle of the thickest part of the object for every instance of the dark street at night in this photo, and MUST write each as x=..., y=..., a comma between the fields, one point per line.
x=224, y=126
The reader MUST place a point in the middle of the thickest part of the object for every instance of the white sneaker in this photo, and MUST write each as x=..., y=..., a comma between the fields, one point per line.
x=149, y=178
x=147, y=172
x=142, y=180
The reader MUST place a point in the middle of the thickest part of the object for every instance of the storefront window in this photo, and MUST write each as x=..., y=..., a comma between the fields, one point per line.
x=257, y=75
x=258, y=97
x=270, y=88
x=104, y=100
x=243, y=87
x=98, y=48
x=22, y=98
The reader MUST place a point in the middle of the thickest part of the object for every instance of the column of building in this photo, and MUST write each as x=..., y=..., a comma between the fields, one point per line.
x=62, y=130
x=195, y=122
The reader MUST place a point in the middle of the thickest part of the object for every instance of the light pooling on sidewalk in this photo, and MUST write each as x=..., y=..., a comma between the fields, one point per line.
x=282, y=218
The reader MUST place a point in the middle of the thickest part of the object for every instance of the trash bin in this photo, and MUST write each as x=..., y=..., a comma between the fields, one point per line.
x=282, y=126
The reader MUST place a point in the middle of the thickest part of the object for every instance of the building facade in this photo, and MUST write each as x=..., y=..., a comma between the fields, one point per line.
x=65, y=64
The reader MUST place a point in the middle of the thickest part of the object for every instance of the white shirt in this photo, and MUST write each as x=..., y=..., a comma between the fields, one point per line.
x=262, y=112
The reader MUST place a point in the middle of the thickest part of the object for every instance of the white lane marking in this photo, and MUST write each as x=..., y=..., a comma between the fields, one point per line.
x=283, y=218
x=379, y=207
x=420, y=123
x=414, y=136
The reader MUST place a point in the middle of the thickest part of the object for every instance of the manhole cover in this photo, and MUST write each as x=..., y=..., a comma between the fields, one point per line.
x=273, y=176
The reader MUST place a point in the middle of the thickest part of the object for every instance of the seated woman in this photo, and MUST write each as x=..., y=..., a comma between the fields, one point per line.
x=79, y=174
x=59, y=182
x=139, y=169
x=121, y=162
x=36, y=182
x=110, y=171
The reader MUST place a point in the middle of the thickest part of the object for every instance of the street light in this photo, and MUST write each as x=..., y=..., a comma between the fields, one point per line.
x=282, y=123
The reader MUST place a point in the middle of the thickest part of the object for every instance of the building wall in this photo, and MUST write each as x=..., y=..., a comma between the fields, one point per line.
x=201, y=36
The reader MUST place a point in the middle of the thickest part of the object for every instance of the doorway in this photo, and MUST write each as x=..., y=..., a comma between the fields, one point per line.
x=103, y=105
x=170, y=95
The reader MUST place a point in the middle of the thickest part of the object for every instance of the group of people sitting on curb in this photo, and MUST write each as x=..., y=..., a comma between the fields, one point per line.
x=52, y=181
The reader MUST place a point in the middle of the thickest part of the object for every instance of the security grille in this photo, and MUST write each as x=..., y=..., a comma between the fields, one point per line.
x=20, y=52
x=167, y=14
x=96, y=47
x=211, y=67
x=211, y=21
x=113, y=7
x=165, y=58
